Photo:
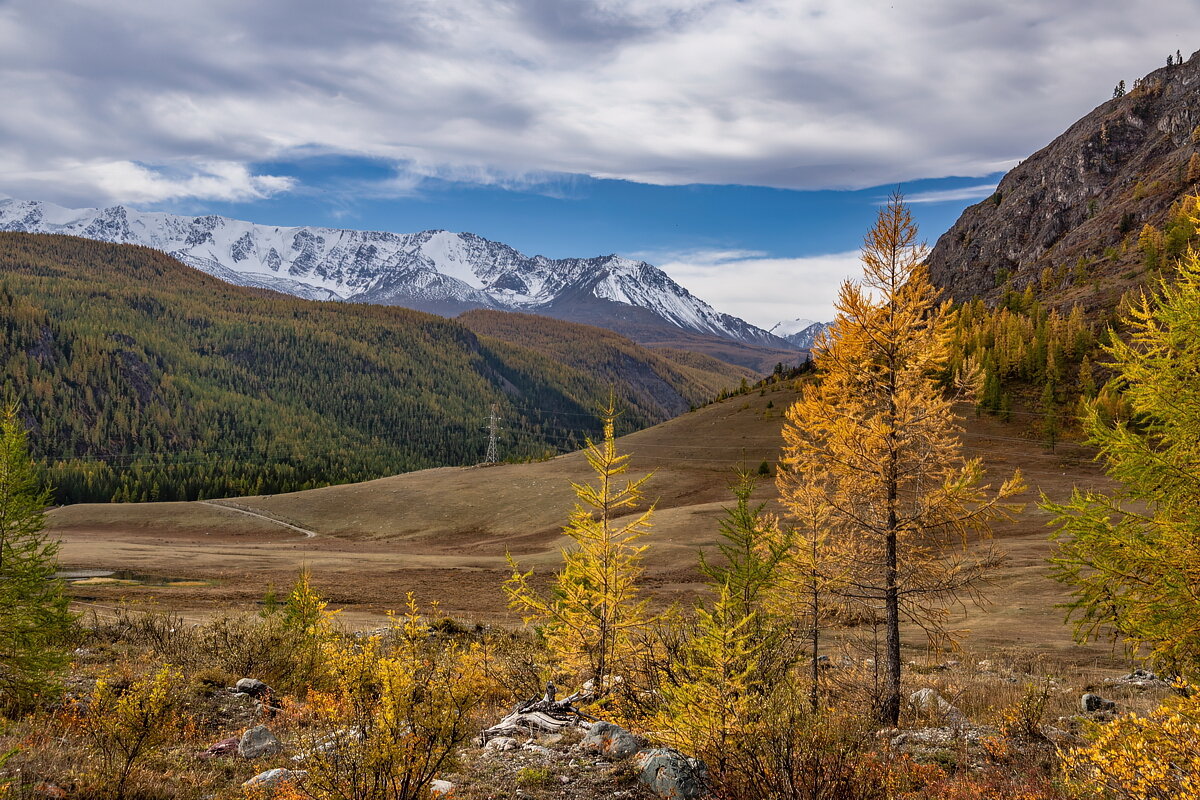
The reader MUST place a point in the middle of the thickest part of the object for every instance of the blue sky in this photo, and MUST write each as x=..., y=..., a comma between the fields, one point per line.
x=739, y=144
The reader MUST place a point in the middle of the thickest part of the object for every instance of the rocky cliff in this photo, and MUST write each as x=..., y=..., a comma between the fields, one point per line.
x=1069, y=217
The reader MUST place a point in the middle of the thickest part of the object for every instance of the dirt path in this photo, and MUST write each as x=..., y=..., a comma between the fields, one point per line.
x=230, y=507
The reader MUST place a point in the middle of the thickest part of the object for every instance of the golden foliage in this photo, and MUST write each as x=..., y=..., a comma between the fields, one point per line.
x=400, y=707
x=1156, y=757
x=590, y=617
x=878, y=435
x=127, y=727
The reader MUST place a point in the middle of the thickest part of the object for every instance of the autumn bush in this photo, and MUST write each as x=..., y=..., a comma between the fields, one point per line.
x=127, y=727
x=400, y=707
x=1151, y=757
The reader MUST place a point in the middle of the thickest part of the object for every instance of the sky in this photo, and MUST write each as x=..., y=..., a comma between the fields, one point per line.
x=741, y=145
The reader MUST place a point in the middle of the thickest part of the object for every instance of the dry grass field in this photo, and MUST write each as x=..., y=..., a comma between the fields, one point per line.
x=444, y=533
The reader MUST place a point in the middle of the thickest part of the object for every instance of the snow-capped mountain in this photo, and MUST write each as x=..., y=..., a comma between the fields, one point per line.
x=801, y=333
x=436, y=270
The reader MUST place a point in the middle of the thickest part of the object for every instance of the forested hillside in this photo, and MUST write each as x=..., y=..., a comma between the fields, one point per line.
x=141, y=378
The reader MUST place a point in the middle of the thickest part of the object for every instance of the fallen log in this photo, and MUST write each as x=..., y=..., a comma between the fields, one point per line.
x=539, y=716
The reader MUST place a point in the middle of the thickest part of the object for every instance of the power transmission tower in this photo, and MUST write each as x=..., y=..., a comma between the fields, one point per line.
x=493, y=430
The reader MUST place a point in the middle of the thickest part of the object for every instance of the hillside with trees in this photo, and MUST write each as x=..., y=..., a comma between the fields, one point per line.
x=142, y=379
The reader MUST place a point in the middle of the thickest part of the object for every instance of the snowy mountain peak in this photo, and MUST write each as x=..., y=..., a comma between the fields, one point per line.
x=432, y=270
x=801, y=333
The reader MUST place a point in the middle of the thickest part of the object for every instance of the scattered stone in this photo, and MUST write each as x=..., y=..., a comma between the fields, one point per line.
x=225, y=747
x=1094, y=702
x=1141, y=679
x=928, y=701
x=441, y=788
x=502, y=743
x=670, y=774
x=611, y=741
x=274, y=778
x=258, y=742
x=330, y=744
x=253, y=687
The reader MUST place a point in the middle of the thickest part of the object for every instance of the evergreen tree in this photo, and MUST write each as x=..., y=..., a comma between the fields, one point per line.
x=590, y=617
x=34, y=619
x=1131, y=556
x=753, y=548
x=877, y=433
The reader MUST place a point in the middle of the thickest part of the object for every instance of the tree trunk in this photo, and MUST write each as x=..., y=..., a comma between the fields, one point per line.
x=890, y=709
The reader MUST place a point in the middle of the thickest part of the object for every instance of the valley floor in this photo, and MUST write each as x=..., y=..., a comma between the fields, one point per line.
x=443, y=534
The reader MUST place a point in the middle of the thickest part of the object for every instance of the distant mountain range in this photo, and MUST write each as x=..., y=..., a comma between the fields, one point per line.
x=436, y=271
x=800, y=333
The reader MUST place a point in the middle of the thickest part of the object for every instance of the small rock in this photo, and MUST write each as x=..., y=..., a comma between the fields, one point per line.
x=502, y=743
x=611, y=740
x=253, y=687
x=225, y=747
x=928, y=701
x=258, y=742
x=670, y=774
x=274, y=778
x=441, y=788
x=1094, y=702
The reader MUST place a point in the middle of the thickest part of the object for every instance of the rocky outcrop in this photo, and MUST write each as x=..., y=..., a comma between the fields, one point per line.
x=1119, y=167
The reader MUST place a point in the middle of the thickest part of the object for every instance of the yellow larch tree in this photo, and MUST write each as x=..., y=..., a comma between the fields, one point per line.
x=877, y=433
x=593, y=610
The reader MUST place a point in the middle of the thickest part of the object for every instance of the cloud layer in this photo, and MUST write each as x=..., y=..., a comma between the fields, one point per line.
x=149, y=102
x=759, y=289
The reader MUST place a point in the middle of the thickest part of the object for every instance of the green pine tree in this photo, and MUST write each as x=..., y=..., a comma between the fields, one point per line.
x=34, y=618
x=1130, y=556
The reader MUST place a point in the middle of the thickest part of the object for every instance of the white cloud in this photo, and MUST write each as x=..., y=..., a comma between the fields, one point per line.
x=951, y=195
x=789, y=93
x=763, y=290
x=126, y=181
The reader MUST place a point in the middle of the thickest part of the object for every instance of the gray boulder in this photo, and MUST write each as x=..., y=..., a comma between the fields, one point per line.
x=929, y=702
x=1094, y=702
x=611, y=741
x=670, y=774
x=253, y=687
x=274, y=778
x=258, y=742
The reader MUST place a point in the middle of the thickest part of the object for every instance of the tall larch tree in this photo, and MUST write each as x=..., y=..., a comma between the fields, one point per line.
x=34, y=619
x=877, y=431
x=1132, y=556
x=590, y=616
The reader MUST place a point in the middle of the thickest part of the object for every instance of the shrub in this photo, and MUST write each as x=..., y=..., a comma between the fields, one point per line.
x=1156, y=757
x=395, y=717
x=125, y=727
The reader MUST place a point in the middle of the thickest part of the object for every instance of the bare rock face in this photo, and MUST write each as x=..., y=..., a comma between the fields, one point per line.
x=1119, y=167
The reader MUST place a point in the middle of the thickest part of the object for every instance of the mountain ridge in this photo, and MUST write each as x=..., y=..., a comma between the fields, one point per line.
x=433, y=270
x=1093, y=213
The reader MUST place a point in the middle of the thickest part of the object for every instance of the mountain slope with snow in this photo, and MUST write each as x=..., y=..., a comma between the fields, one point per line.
x=801, y=333
x=437, y=271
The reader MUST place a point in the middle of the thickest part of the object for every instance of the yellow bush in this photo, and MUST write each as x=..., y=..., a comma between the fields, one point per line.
x=125, y=727
x=1156, y=757
x=400, y=707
